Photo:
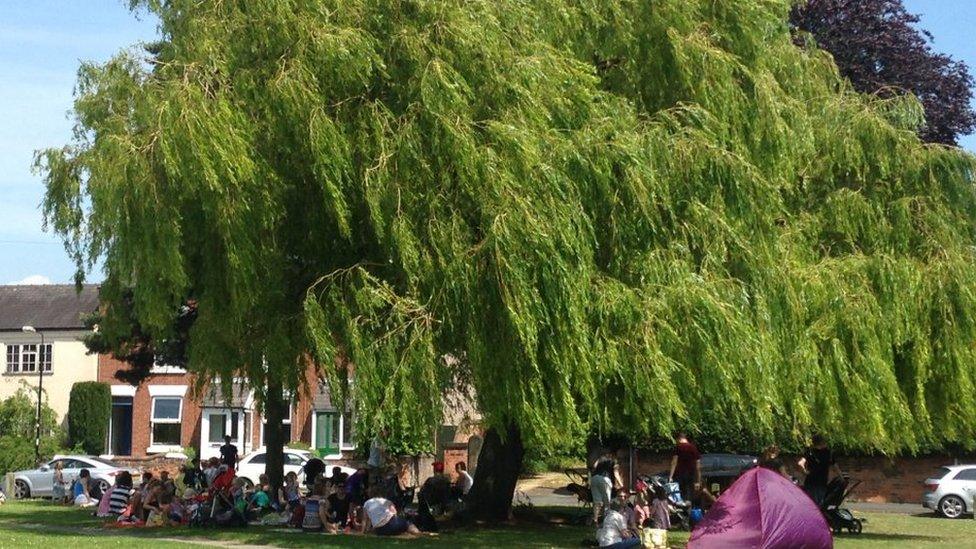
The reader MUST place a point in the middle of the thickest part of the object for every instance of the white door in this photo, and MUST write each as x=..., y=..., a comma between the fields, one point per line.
x=215, y=424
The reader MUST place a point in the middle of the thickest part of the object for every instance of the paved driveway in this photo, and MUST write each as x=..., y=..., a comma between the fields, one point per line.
x=549, y=497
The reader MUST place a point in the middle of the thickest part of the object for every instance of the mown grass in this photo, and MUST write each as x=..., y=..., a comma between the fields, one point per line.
x=41, y=524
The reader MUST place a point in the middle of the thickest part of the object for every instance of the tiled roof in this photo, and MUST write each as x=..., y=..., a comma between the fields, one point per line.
x=46, y=307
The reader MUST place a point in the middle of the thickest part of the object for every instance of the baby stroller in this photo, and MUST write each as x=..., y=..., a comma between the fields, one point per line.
x=680, y=509
x=840, y=519
x=579, y=486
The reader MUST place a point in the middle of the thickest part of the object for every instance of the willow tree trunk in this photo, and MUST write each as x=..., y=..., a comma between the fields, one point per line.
x=274, y=409
x=499, y=465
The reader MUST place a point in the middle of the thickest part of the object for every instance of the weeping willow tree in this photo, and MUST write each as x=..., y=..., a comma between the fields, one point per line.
x=622, y=216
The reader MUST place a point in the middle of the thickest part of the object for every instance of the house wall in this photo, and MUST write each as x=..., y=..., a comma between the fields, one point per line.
x=301, y=425
x=70, y=364
x=142, y=405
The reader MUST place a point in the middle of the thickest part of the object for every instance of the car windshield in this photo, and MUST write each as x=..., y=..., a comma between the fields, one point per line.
x=104, y=462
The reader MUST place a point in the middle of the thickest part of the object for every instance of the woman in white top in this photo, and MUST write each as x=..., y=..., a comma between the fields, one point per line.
x=464, y=480
x=615, y=532
x=381, y=517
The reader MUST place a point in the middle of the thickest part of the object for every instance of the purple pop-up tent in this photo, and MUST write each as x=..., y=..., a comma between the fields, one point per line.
x=762, y=510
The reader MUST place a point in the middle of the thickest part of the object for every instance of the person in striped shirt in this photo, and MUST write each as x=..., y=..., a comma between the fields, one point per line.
x=121, y=492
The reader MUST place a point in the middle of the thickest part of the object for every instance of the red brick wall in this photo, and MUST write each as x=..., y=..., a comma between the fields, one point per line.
x=142, y=405
x=893, y=480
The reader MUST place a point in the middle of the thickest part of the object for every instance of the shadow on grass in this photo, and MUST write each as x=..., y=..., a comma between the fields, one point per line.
x=49, y=521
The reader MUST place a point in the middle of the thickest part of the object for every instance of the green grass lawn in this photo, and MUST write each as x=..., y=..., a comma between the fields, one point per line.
x=40, y=524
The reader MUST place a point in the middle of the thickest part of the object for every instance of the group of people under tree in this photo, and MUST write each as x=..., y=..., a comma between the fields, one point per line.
x=620, y=515
x=368, y=500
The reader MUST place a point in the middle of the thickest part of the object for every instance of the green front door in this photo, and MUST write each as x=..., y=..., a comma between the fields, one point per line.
x=327, y=433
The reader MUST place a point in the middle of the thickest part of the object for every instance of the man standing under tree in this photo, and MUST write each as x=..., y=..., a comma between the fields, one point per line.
x=686, y=467
x=817, y=463
x=228, y=453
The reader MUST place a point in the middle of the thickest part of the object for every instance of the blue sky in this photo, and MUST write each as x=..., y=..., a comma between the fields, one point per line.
x=42, y=43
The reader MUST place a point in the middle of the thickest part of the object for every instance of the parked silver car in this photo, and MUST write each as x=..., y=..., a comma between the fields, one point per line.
x=950, y=490
x=40, y=482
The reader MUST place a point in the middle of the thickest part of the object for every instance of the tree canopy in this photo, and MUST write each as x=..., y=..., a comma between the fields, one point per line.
x=618, y=216
x=878, y=46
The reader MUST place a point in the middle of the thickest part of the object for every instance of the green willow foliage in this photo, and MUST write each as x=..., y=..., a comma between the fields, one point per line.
x=618, y=216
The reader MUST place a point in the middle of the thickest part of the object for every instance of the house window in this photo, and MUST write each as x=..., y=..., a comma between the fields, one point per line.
x=286, y=424
x=332, y=433
x=25, y=358
x=166, y=421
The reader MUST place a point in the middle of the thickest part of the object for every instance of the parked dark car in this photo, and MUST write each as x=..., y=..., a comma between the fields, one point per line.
x=719, y=471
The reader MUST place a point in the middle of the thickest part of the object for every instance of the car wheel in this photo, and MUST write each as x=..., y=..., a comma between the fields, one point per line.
x=855, y=527
x=103, y=486
x=21, y=490
x=247, y=483
x=952, y=506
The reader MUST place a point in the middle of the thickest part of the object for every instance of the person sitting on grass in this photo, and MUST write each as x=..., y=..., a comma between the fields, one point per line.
x=120, y=494
x=193, y=476
x=167, y=482
x=642, y=510
x=338, y=503
x=81, y=492
x=289, y=493
x=436, y=491
x=312, y=469
x=614, y=533
x=316, y=509
x=260, y=502
x=338, y=477
x=157, y=504
x=382, y=519
x=147, y=481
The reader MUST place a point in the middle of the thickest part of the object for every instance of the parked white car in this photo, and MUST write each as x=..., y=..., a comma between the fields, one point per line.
x=252, y=466
x=950, y=490
x=39, y=482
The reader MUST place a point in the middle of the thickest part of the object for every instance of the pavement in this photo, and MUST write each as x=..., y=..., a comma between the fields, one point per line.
x=548, y=496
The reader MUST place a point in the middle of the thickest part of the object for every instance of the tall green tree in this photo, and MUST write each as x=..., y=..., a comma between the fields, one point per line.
x=616, y=216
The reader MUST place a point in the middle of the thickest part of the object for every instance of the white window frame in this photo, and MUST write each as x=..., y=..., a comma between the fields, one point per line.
x=344, y=445
x=162, y=448
x=286, y=421
x=22, y=350
x=158, y=368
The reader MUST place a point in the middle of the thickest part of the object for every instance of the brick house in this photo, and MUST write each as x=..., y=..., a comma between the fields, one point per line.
x=164, y=414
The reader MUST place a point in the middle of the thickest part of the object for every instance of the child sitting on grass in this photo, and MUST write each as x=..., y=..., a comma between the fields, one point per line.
x=289, y=494
x=260, y=502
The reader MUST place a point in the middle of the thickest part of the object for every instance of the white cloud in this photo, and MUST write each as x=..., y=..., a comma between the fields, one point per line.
x=33, y=280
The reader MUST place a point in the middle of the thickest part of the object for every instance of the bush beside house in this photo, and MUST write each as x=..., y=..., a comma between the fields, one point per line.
x=18, y=416
x=89, y=411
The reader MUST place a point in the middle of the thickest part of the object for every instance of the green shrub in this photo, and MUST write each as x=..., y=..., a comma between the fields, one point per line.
x=17, y=452
x=18, y=414
x=89, y=410
x=299, y=445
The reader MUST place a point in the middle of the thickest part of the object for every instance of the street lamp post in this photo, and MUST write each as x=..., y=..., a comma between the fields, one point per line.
x=40, y=388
